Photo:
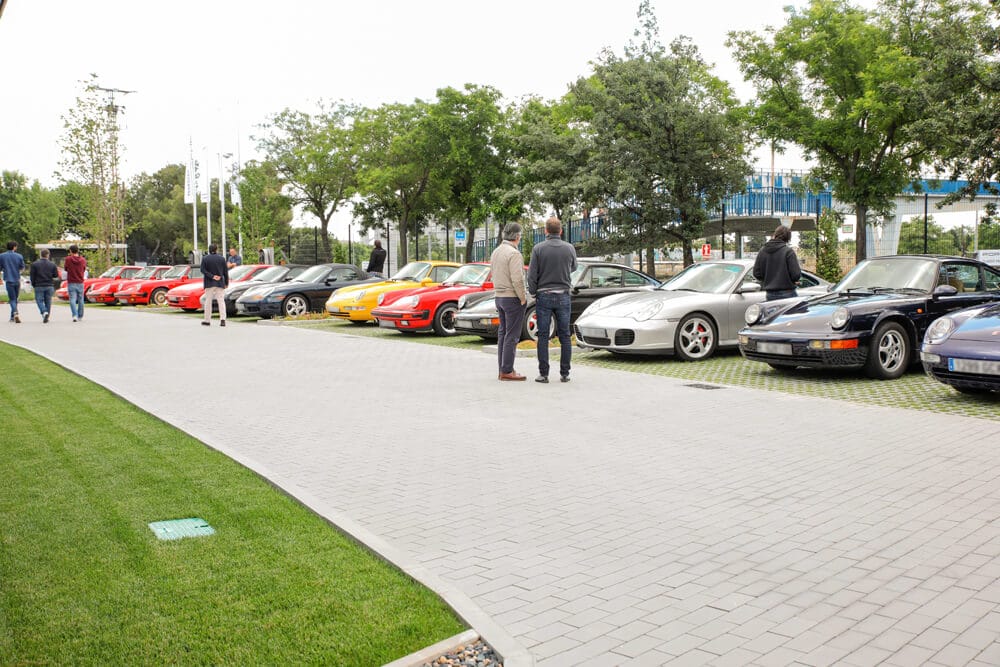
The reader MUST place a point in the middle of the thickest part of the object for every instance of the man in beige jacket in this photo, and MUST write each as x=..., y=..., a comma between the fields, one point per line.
x=507, y=267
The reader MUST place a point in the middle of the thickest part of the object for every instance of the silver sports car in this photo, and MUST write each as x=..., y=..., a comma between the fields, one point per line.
x=691, y=315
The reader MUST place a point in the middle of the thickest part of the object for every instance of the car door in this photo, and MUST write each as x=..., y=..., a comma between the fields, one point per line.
x=747, y=291
x=595, y=282
x=319, y=291
x=972, y=282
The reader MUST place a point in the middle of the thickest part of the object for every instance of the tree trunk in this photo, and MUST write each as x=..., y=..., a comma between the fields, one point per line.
x=651, y=261
x=402, y=251
x=324, y=226
x=688, y=256
x=861, y=236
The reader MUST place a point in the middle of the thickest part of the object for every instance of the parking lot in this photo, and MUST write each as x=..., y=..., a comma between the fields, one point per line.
x=627, y=517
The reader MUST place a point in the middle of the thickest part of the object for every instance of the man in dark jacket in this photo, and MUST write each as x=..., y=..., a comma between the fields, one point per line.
x=215, y=277
x=552, y=262
x=377, y=260
x=44, y=275
x=777, y=267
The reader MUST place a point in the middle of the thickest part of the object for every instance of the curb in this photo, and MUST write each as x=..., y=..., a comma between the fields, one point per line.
x=432, y=653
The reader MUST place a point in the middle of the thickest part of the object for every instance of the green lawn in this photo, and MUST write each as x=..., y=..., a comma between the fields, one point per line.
x=83, y=580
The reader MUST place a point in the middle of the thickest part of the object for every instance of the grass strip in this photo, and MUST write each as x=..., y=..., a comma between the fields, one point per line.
x=83, y=580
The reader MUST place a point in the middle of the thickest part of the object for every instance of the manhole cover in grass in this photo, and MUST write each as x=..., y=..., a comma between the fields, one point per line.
x=700, y=385
x=175, y=529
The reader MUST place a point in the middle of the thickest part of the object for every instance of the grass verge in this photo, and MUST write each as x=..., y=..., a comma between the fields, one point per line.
x=84, y=580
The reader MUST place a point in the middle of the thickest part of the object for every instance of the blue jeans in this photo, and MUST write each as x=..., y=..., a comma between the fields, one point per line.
x=13, y=292
x=75, y=299
x=774, y=295
x=511, y=312
x=43, y=297
x=547, y=306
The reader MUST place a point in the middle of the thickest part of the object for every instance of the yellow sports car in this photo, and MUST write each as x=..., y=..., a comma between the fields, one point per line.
x=356, y=303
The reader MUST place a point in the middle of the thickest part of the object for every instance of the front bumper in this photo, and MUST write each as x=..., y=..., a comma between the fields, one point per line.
x=623, y=334
x=186, y=302
x=477, y=326
x=411, y=320
x=356, y=313
x=955, y=371
x=261, y=308
x=132, y=299
x=802, y=351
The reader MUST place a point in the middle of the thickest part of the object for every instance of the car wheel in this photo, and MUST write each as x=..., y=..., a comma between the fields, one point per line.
x=529, y=330
x=444, y=319
x=158, y=297
x=696, y=338
x=294, y=305
x=888, y=353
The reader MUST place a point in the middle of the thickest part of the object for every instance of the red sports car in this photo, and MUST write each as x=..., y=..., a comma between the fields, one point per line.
x=188, y=296
x=106, y=293
x=432, y=308
x=113, y=275
x=153, y=291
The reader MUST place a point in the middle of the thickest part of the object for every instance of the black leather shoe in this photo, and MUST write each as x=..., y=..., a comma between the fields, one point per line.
x=206, y=324
x=564, y=378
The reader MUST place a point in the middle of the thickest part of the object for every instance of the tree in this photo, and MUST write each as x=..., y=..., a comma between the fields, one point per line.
x=265, y=213
x=397, y=180
x=92, y=156
x=828, y=257
x=858, y=91
x=155, y=209
x=316, y=159
x=28, y=214
x=912, y=234
x=668, y=142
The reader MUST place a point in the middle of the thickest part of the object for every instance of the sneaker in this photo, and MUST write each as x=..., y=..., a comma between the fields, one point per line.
x=222, y=323
x=74, y=319
x=206, y=324
x=17, y=318
x=544, y=379
x=564, y=378
x=45, y=318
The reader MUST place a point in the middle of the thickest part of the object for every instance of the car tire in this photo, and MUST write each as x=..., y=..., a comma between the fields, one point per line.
x=294, y=305
x=888, y=352
x=158, y=297
x=529, y=330
x=444, y=319
x=696, y=337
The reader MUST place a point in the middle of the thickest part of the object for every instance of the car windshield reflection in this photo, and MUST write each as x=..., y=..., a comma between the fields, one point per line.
x=269, y=275
x=412, y=271
x=176, y=272
x=887, y=274
x=714, y=278
x=470, y=274
x=313, y=274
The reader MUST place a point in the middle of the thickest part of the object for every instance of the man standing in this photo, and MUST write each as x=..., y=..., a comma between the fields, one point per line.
x=377, y=259
x=44, y=275
x=552, y=262
x=777, y=267
x=76, y=270
x=11, y=264
x=215, y=277
x=507, y=269
x=233, y=260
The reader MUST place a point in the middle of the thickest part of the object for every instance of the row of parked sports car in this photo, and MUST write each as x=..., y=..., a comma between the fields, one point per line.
x=876, y=318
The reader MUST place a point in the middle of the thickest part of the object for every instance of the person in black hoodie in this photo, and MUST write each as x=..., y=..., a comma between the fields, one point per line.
x=44, y=278
x=777, y=267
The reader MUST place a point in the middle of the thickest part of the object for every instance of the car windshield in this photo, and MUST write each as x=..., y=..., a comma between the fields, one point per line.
x=176, y=272
x=710, y=278
x=313, y=274
x=896, y=273
x=470, y=274
x=269, y=275
x=239, y=272
x=148, y=272
x=110, y=273
x=577, y=272
x=412, y=271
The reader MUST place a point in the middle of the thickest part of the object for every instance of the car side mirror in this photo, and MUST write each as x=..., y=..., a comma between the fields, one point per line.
x=748, y=288
x=426, y=281
x=945, y=290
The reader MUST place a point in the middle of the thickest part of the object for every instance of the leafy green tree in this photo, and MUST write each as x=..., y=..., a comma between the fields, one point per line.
x=669, y=142
x=156, y=211
x=12, y=187
x=828, y=257
x=859, y=91
x=398, y=181
x=29, y=214
x=265, y=213
x=316, y=159
x=911, y=238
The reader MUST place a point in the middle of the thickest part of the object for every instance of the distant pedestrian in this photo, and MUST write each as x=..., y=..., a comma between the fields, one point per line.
x=260, y=255
x=11, y=264
x=44, y=275
x=215, y=277
x=376, y=261
x=507, y=269
x=233, y=260
x=552, y=262
x=777, y=267
x=76, y=272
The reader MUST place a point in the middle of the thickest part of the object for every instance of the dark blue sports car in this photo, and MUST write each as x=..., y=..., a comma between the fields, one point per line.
x=962, y=349
x=874, y=318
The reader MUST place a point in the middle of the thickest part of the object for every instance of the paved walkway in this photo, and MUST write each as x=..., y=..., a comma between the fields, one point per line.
x=620, y=519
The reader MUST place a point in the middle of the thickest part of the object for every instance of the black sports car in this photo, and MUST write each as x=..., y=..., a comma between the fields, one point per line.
x=477, y=313
x=305, y=293
x=274, y=274
x=962, y=349
x=874, y=318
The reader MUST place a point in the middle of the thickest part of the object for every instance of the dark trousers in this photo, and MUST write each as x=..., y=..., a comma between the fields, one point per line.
x=511, y=312
x=43, y=299
x=774, y=295
x=13, y=292
x=548, y=306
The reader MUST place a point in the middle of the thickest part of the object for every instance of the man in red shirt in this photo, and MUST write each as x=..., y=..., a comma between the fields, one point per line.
x=76, y=270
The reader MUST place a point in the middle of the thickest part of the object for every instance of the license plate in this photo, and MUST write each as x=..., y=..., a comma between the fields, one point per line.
x=974, y=366
x=334, y=309
x=591, y=332
x=387, y=324
x=774, y=348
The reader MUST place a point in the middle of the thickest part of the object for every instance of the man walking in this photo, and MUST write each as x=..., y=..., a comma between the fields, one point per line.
x=76, y=272
x=44, y=275
x=215, y=277
x=11, y=264
x=552, y=262
x=777, y=267
x=507, y=269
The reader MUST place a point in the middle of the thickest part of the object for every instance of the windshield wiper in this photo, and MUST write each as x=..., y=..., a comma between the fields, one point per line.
x=906, y=290
x=869, y=290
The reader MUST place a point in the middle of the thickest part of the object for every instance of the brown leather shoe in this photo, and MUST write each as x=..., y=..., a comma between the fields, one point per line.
x=513, y=376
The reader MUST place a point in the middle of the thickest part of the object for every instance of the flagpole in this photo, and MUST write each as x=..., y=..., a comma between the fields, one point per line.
x=222, y=207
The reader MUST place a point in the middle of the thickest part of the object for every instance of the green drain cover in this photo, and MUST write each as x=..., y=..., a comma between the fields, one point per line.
x=178, y=528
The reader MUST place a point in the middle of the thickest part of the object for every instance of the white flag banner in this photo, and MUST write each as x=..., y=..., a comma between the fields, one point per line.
x=206, y=188
x=190, y=179
x=234, y=193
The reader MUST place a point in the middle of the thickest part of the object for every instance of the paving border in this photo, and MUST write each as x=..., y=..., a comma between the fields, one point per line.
x=434, y=652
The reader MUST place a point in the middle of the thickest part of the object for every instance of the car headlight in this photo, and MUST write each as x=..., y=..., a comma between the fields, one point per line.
x=647, y=311
x=461, y=301
x=381, y=298
x=753, y=313
x=409, y=302
x=840, y=318
x=939, y=330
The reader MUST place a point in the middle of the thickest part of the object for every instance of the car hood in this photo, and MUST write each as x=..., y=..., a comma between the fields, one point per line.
x=188, y=288
x=627, y=303
x=814, y=314
x=982, y=326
